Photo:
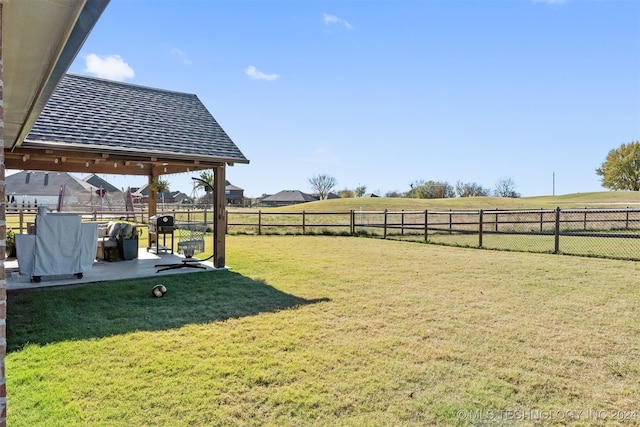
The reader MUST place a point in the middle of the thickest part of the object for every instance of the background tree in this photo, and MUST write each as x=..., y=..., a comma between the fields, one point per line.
x=506, y=187
x=160, y=186
x=393, y=193
x=346, y=193
x=206, y=176
x=430, y=190
x=416, y=190
x=322, y=185
x=360, y=190
x=621, y=169
x=471, y=189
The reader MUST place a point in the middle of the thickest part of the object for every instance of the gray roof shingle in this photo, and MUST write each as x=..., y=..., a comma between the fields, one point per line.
x=96, y=114
x=38, y=183
x=290, y=196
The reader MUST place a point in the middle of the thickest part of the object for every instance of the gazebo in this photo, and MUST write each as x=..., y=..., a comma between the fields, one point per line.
x=92, y=125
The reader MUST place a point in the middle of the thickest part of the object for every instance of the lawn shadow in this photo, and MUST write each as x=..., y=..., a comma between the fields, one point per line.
x=49, y=315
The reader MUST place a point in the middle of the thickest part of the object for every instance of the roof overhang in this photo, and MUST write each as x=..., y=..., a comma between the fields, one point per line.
x=40, y=40
x=106, y=162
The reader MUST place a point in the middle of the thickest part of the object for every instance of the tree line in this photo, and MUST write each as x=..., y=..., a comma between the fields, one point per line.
x=323, y=185
x=619, y=171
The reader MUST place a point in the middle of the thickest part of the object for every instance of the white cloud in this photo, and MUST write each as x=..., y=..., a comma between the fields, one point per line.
x=256, y=74
x=334, y=20
x=110, y=67
x=180, y=54
x=550, y=1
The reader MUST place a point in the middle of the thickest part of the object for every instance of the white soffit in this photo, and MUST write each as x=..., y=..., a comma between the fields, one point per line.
x=40, y=39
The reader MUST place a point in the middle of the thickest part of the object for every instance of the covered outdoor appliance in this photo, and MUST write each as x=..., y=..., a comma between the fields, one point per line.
x=62, y=244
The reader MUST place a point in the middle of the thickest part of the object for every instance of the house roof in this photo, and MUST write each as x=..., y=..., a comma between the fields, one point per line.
x=98, y=182
x=231, y=187
x=38, y=183
x=102, y=126
x=290, y=196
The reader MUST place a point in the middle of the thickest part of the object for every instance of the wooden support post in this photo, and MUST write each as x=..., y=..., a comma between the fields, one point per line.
x=153, y=209
x=219, y=217
x=153, y=196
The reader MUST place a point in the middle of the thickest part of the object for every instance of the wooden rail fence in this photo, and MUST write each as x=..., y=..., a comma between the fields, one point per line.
x=611, y=233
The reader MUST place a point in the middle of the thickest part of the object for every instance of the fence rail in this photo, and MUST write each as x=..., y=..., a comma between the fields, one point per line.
x=607, y=233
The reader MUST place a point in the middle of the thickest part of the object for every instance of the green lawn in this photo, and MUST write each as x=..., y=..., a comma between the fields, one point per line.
x=323, y=331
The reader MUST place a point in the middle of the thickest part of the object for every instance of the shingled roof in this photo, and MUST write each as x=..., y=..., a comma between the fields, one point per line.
x=126, y=121
x=288, y=197
x=38, y=183
x=98, y=182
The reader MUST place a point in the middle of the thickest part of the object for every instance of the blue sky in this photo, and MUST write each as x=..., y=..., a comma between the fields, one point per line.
x=384, y=93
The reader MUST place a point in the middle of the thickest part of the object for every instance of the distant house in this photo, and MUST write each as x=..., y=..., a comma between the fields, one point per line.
x=141, y=195
x=234, y=195
x=180, y=197
x=31, y=188
x=287, y=197
x=370, y=195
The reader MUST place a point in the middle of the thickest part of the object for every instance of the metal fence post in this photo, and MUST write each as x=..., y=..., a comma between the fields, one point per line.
x=426, y=225
x=626, y=223
x=384, y=235
x=557, y=232
x=259, y=222
x=352, y=221
x=303, y=222
x=480, y=228
x=541, y=217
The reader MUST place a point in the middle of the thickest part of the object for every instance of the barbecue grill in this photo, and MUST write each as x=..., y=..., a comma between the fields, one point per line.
x=160, y=225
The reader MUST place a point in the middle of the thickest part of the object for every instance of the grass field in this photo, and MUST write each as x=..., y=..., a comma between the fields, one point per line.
x=336, y=331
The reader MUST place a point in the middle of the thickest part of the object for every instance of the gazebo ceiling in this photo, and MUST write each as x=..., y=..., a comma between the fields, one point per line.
x=101, y=163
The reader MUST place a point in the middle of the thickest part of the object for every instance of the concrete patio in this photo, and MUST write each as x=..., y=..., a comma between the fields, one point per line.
x=143, y=266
